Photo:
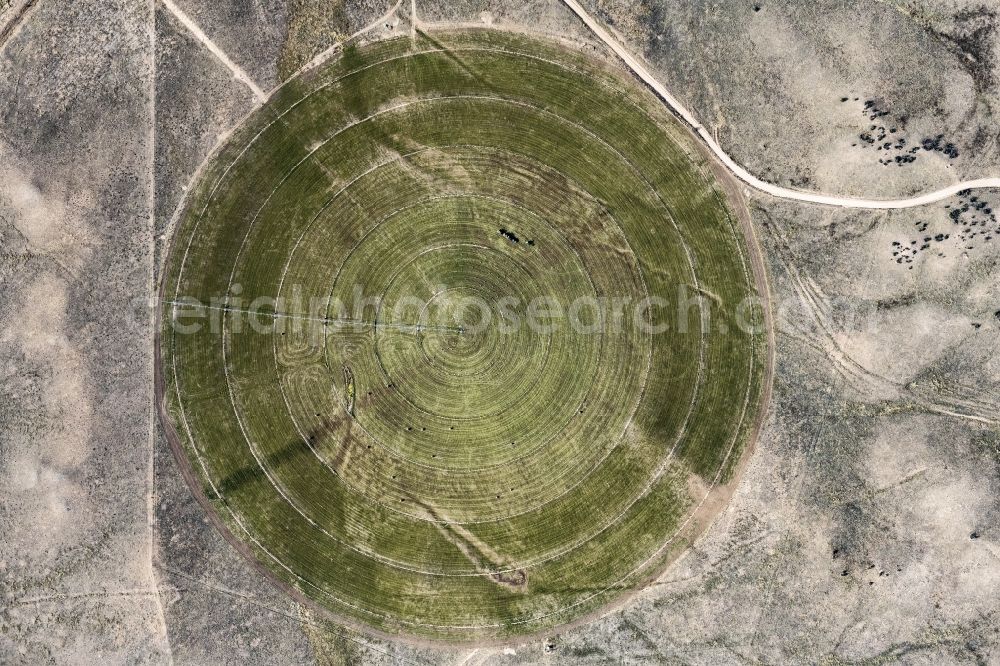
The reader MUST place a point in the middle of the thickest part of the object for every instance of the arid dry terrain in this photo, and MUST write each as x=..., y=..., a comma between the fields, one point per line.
x=866, y=525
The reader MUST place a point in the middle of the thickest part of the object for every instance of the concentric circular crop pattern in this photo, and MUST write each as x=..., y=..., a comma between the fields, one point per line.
x=403, y=343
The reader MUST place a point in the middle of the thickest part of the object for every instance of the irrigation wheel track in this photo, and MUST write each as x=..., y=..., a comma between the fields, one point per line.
x=615, y=194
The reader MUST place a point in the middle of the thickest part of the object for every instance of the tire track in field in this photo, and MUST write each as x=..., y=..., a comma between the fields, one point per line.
x=15, y=20
x=857, y=376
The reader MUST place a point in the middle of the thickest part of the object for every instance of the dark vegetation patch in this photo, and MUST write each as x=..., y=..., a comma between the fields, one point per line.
x=586, y=651
x=888, y=136
x=515, y=579
x=901, y=301
x=296, y=447
x=973, y=220
x=313, y=25
x=972, y=41
x=510, y=235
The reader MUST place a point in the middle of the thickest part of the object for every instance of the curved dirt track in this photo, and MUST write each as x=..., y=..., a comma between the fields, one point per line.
x=640, y=70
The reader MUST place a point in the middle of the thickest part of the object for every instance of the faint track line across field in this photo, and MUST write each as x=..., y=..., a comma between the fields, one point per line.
x=252, y=601
x=335, y=321
x=854, y=373
x=216, y=51
x=10, y=25
x=151, y=524
x=96, y=594
x=237, y=71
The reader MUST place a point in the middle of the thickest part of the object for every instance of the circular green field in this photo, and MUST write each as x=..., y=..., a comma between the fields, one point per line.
x=458, y=338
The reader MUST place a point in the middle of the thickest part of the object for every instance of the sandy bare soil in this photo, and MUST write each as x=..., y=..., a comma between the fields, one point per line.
x=865, y=524
x=792, y=89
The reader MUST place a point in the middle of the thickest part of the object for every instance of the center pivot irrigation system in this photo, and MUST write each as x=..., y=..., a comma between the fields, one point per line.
x=460, y=337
